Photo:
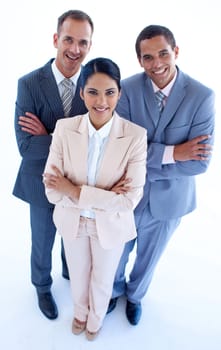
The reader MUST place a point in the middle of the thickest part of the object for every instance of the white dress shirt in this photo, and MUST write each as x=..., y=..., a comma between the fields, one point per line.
x=96, y=146
x=59, y=77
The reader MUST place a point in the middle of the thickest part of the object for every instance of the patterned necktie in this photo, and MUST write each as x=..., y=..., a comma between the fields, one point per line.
x=160, y=97
x=67, y=96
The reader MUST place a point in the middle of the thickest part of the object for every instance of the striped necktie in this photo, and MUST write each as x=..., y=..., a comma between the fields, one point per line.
x=67, y=96
x=160, y=98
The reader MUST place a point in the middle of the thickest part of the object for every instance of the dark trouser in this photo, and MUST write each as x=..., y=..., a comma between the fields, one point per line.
x=43, y=235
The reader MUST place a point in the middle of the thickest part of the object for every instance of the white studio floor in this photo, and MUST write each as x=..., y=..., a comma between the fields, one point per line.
x=181, y=311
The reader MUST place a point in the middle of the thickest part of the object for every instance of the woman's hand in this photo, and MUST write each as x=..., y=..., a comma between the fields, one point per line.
x=122, y=187
x=61, y=184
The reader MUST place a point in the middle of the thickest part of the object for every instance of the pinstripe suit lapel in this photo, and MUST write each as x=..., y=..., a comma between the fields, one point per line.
x=77, y=103
x=49, y=88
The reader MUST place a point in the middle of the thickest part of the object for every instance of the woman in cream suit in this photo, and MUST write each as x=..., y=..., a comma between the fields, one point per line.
x=95, y=175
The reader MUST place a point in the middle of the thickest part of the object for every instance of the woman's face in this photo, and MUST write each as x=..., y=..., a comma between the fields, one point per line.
x=100, y=96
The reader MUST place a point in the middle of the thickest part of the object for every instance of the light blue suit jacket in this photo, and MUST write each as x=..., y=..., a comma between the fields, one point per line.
x=189, y=112
x=38, y=93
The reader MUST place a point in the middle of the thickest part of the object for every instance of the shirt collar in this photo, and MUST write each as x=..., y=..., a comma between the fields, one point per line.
x=102, y=132
x=167, y=89
x=59, y=76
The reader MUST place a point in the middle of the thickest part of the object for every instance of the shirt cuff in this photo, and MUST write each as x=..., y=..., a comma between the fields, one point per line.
x=168, y=155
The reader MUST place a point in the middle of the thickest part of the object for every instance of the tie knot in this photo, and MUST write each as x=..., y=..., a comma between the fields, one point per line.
x=160, y=98
x=67, y=83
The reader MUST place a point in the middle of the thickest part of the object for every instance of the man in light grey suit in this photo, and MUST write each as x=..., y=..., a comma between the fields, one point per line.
x=180, y=127
x=38, y=107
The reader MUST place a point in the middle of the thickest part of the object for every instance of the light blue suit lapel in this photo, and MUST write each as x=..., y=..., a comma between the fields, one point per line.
x=176, y=97
x=150, y=101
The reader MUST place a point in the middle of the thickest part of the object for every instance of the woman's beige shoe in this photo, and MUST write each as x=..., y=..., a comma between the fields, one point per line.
x=78, y=326
x=91, y=335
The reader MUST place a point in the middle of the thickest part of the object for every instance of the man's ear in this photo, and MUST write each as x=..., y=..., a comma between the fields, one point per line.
x=55, y=40
x=176, y=51
x=140, y=61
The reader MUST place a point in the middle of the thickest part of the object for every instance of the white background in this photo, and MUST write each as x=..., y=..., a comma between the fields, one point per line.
x=182, y=308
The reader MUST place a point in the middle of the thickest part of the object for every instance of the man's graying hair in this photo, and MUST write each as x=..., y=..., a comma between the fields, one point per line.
x=74, y=14
x=152, y=31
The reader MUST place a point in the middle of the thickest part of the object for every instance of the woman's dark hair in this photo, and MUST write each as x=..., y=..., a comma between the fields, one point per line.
x=101, y=65
x=152, y=31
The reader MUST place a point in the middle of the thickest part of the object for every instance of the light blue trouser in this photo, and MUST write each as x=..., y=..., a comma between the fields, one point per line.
x=152, y=238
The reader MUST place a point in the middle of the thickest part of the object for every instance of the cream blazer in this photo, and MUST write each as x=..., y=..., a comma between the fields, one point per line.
x=125, y=151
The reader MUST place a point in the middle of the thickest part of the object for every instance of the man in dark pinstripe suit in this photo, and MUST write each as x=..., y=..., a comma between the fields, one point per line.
x=38, y=107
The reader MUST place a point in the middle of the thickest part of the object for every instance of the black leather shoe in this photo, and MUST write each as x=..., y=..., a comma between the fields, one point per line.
x=133, y=312
x=47, y=305
x=112, y=305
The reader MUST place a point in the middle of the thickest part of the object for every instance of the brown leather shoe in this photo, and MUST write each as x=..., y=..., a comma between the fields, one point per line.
x=78, y=326
x=91, y=335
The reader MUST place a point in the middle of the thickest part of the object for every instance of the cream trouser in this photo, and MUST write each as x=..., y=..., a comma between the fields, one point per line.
x=92, y=270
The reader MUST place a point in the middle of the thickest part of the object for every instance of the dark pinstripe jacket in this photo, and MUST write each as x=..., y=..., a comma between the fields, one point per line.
x=38, y=93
